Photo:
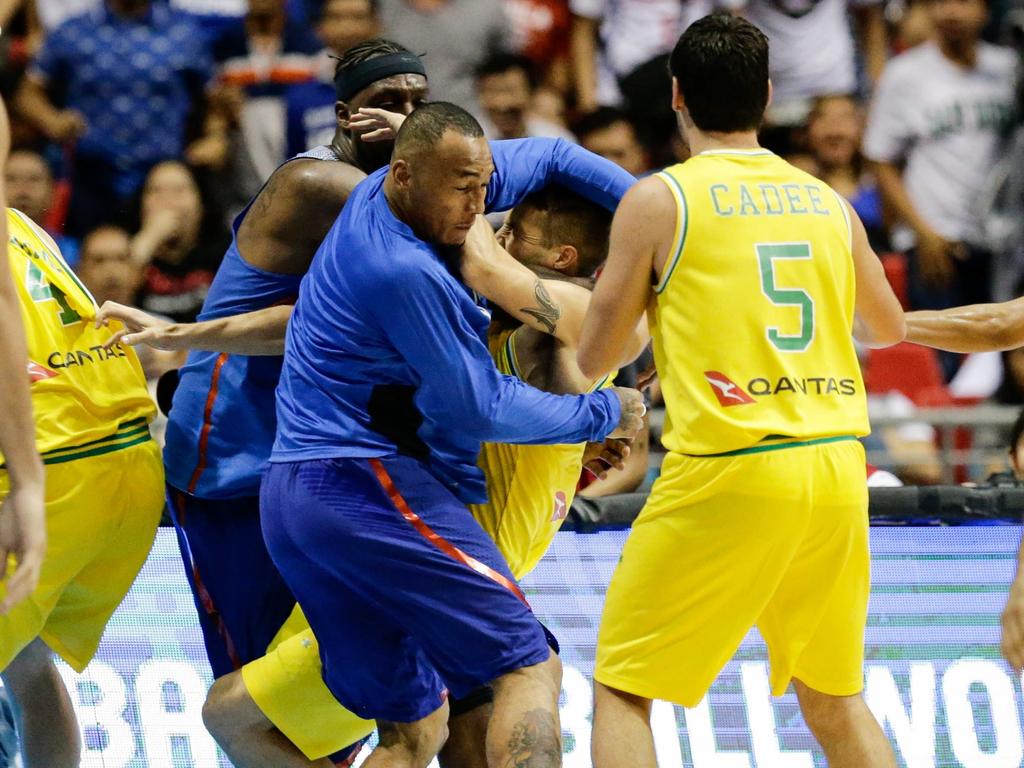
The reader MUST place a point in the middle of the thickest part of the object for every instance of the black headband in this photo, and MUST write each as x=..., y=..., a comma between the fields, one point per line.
x=351, y=81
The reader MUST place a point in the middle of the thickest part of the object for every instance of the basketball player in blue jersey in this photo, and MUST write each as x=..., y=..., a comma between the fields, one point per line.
x=386, y=391
x=221, y=423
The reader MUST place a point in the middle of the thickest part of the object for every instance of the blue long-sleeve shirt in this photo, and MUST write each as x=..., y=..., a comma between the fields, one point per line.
x=386, y=351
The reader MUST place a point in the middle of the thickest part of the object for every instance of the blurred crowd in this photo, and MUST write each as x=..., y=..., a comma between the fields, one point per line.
x=142, y=127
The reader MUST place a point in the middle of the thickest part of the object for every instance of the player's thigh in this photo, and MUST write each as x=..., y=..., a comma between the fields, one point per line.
x=323, y=531
x=131, y=496
x=77, y=524
x=702, y=561
x=471, y=617
x=397, y=537
x=814, y=623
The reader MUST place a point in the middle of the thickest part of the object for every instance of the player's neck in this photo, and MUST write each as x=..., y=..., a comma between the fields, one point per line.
x=704, y=142
x=961, y=52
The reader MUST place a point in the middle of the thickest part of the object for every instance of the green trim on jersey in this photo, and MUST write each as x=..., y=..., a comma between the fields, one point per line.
x=684, y=212
x=762, y=448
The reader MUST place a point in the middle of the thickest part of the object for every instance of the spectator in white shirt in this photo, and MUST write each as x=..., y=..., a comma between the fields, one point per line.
x=611, y=38
x=814, y=53
x=933, y=133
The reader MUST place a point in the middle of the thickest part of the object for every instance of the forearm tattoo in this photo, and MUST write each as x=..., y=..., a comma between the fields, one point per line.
x=546, y=312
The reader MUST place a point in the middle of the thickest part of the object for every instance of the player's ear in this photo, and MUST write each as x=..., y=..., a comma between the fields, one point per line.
x=677, y=97
x=342, y=113
x=567, y=260
x=771, y=92
x=401, y=173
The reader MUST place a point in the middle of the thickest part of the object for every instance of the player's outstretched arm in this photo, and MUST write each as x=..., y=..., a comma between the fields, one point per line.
x=254, y=333
x=879, y=319
x=641, y=230
x=22, y=513
x=975, y=328
x=552, y=306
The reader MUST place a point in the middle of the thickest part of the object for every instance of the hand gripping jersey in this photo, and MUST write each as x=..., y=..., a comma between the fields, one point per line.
x=752, y=327
x=87, y=400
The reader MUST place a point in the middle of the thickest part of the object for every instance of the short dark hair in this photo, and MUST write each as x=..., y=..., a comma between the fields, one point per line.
x=600, y=119
x=424, y=128
x=366, y=50
x=571, y=219
x=721, y=65
x=500, y=63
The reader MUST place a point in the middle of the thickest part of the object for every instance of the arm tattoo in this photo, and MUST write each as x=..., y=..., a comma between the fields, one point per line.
x=535, y=742
x=546, y=312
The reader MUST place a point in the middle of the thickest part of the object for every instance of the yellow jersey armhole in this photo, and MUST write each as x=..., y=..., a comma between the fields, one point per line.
x=846, y=217
x=679, y=237
x=510, y=355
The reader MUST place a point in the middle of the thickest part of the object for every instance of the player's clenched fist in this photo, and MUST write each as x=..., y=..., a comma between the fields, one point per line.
x=633, y=410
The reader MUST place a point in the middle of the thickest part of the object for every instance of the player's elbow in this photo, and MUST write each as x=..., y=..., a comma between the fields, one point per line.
x=884, y=331
x=591, y=362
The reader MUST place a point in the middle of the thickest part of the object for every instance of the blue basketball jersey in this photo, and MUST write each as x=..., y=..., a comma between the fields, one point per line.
x=221, y=426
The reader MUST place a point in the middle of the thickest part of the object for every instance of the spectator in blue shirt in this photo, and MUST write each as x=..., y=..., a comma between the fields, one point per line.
x=119, y=83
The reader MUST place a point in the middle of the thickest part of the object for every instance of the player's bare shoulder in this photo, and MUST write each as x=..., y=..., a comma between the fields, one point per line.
x=647, y=218
x=293, y=212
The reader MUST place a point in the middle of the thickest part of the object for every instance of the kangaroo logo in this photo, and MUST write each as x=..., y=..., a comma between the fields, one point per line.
x=727, y=391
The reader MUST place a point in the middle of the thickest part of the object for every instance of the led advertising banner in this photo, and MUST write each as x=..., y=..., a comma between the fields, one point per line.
x=933, y=673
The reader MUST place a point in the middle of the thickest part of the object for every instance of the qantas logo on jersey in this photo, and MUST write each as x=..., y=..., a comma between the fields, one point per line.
x=96, y=354
x=561, y=507
x=37, y=372
x=727, y=391
x=730, y=393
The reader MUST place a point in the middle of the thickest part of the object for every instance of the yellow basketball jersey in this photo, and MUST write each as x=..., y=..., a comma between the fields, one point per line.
x=86, y=400
x=754, y=312
x=529, y=487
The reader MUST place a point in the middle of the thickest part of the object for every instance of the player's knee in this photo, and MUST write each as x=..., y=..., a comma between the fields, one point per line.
x=547, y=675
x=828, y=716
x=32, y=665
x=224, y=710
x=418, y=743
x=607, y=697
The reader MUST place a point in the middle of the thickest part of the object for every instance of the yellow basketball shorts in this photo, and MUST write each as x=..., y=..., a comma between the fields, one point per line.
x=776, y=537
x=102, y=513
x=286, y=684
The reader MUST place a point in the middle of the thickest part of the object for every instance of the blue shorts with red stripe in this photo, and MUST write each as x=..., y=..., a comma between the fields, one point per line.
x=407, y=595
x=241, y=598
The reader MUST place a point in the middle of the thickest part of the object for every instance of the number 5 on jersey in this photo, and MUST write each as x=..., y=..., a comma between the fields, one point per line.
x=767, y=254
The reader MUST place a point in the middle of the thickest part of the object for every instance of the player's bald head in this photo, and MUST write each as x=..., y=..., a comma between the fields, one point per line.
x=424, y=130
x=440, y=170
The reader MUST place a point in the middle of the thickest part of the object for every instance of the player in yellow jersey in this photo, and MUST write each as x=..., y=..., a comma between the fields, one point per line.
x=559, y=237
x=22, y=516
x=104, y=490
x=755, y=274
